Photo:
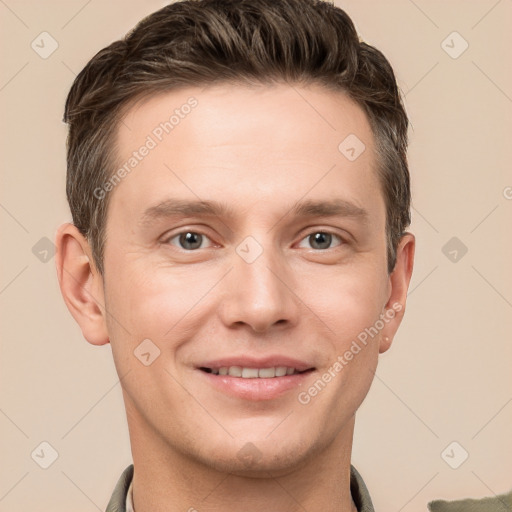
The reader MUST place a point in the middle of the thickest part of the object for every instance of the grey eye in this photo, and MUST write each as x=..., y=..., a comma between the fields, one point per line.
x=188, y=240
x=321, y=240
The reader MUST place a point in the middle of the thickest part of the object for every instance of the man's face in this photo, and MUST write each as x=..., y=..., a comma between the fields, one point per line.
x=260, y=284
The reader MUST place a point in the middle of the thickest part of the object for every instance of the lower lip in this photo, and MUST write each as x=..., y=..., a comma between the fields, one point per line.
x=256, y=389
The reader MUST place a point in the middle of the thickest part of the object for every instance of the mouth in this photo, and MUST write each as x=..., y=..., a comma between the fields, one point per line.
x=255, y=380
x=255, y=373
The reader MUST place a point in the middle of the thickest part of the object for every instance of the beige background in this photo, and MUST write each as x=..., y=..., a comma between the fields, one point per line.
x=447, y=377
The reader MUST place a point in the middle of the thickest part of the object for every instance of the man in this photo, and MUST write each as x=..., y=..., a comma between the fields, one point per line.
x=239, y=187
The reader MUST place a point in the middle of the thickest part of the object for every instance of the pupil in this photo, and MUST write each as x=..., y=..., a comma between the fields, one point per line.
x=190, y=240
x=321, y=240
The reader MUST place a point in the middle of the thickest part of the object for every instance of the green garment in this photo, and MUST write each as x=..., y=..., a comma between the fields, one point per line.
x=357, y=487
x=501, y=503
x=360, y=495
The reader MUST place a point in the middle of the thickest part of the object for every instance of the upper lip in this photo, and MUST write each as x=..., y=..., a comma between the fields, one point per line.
x=257, y=362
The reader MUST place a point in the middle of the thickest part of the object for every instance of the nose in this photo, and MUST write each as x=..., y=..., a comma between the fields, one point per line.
x=259, y=294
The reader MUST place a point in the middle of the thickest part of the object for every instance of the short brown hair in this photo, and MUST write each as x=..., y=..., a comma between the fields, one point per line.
x=201, y=42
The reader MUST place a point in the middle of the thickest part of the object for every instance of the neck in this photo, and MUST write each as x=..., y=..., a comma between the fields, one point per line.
x=169, y=480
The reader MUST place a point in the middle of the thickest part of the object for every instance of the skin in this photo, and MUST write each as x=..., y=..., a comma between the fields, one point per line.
x=260, y=150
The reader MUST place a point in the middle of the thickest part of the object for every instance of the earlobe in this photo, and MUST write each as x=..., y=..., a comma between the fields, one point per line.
x=81, y=284
x=399, y=284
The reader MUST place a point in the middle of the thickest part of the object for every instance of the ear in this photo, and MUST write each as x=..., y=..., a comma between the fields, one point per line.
x=398, y=285
x=81, y=284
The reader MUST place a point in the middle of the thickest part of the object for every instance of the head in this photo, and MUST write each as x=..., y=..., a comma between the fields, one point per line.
x=288, y=134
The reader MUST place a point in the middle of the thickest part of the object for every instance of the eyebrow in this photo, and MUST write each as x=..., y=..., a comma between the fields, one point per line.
x=176, y=207
x=179, y=207
x=334, y=207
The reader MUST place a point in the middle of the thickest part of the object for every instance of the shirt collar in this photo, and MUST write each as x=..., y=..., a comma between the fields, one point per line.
x=129, y=498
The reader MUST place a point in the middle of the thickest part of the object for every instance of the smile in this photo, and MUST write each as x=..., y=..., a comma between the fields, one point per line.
x=253, y=373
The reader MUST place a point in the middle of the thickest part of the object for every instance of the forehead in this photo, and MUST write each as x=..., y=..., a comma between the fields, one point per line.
x=223, y=113
x=267, y=143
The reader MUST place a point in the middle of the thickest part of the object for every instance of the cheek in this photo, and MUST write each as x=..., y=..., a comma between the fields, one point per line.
x=147, y=308
x=156, y=302
x=350, y=306
x=348, y=300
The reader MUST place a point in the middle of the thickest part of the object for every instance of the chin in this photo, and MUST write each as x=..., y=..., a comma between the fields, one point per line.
x=259, y=458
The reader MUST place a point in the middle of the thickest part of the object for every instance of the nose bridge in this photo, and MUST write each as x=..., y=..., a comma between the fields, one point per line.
x=259, y=293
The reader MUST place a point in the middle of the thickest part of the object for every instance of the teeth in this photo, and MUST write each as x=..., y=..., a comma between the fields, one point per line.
x=254, y=373
x=267, y=373
x=235, y=371
x=281, y=371
x=249, y=373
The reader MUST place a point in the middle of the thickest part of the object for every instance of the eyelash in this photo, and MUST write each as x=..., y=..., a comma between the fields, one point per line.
x=325, y=232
